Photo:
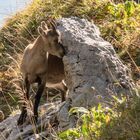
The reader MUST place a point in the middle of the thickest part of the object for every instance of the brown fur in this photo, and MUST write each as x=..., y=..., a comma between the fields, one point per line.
x=42, y=63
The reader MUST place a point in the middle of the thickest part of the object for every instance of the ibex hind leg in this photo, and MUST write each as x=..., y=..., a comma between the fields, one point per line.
x=23, y=114
x=63, y=89
x=63, y=92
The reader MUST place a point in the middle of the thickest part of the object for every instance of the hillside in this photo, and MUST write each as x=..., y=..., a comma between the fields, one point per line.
x=119, y=23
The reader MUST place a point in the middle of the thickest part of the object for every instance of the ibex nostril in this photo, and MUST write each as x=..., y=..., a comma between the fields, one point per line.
x=64, y=52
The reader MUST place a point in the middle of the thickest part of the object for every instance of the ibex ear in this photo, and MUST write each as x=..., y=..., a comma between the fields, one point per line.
x=41, y=31
x=44, y=25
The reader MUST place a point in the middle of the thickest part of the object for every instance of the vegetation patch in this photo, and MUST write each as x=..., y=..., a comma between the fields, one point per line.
x=120, y=122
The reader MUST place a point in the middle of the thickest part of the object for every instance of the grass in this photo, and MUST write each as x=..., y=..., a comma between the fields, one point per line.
x=119, y=23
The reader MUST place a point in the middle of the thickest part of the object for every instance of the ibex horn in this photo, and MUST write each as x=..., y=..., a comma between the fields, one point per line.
x=44, y=25
x=53, y=24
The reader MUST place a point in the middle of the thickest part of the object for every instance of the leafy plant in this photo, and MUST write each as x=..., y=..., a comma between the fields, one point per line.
x=104, y=123
x=89, y=124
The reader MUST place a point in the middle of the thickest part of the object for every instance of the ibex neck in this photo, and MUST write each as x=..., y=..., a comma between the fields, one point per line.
x=38, y=41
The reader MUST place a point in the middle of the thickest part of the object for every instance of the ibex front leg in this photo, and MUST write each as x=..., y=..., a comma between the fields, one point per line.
x=41, y=86
x=23, y=114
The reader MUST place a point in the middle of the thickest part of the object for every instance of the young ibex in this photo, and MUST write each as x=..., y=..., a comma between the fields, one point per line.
x=42, y=63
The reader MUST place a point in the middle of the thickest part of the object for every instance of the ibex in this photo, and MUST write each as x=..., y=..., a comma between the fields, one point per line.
x=42, y=64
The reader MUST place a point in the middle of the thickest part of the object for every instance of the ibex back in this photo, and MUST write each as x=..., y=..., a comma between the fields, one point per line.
x=42, y=63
